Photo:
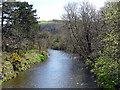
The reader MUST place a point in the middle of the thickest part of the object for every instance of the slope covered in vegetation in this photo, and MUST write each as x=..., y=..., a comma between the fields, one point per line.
x=13, y=64
x=21, y=39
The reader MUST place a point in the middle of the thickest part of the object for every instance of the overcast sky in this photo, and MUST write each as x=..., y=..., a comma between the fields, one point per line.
x=53, y=9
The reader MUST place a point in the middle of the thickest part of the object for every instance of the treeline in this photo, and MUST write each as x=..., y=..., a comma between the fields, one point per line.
x=52, y=29
x=95, y=36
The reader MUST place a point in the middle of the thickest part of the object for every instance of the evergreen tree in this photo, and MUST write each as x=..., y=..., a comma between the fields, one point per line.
x=20, y=19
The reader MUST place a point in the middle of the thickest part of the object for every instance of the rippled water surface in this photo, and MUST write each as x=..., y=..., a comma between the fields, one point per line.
x=60, y=70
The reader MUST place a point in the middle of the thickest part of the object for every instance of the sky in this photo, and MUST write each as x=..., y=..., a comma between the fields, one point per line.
x=53, y=9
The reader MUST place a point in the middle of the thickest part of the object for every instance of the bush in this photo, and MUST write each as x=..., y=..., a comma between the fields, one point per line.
x=106, y=70
x=106, y=66
x=42, y=57
x=16, y=61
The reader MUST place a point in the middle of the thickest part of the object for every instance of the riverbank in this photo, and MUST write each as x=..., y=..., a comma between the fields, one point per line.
x=22, y=63
x=60, y=70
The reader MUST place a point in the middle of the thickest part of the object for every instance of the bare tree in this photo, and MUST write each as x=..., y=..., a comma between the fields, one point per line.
x=81, y=22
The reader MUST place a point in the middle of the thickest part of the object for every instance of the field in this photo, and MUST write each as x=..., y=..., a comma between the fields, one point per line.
x=48, y=22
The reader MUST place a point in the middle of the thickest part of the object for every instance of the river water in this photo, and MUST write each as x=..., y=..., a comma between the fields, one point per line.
x=60, y=70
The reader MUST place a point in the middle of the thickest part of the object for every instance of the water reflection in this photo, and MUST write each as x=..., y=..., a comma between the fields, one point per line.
x=60, y=70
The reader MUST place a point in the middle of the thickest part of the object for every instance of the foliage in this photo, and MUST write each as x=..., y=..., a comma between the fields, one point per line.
x=106, y=66
x=16, y=64
x=96, y=37
x=20, y=35
x=45, y=53
x=42, y=57
x=21, y=25
x=32, y=51
x=16, y=61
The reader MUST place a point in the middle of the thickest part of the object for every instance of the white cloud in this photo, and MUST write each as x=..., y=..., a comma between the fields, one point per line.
x=113, y=0
x=49, y=13
x=98, y=3
x=53, y=9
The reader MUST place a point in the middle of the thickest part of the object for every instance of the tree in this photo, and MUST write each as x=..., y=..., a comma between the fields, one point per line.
x=106, y=66
x=96, y=37
x=80, y=20
x=20, y=20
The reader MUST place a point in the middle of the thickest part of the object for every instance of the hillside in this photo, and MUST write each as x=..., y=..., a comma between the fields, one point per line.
x=50, y=26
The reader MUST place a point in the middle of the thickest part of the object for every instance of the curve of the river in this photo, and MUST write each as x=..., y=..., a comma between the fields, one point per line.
x=60, y=70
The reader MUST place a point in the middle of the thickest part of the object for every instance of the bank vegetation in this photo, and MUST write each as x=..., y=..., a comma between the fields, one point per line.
x=95, y=36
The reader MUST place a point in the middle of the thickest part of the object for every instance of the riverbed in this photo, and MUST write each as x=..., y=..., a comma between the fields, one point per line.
x=59, y=70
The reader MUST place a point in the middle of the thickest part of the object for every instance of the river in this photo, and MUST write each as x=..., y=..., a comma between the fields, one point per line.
x=60, y=70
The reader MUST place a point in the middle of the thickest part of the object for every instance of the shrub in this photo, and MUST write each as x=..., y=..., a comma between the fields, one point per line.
x=16, y=61
x=42, y=57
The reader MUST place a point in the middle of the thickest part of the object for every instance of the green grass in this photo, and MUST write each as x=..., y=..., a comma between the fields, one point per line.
x=31, y=57
x=47, y=22
x=32, y=51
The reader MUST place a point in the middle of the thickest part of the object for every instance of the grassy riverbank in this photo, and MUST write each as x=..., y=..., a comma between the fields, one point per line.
x=26, y=61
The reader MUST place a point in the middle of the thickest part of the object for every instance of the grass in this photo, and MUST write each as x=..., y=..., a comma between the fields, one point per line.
x=32, y=51
x=47, y=22
x=31, y=57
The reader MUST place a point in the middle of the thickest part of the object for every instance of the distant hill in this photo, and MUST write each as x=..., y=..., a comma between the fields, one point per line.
x=50, y=21
x=50, y=26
